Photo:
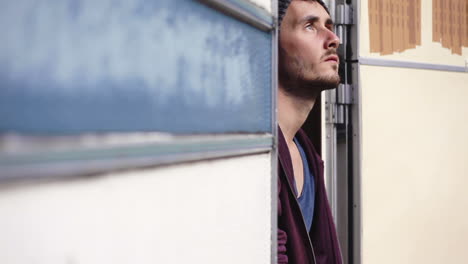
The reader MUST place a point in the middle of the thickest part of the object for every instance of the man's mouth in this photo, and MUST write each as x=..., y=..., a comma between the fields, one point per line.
x=332, y=58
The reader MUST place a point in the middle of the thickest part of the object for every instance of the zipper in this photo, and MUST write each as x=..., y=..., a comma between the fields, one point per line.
x=302, y=218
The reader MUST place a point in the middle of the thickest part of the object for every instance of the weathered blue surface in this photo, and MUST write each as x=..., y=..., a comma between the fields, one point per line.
x=131, y=65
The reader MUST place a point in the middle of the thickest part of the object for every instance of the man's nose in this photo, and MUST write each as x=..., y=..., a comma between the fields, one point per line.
x=333, y=41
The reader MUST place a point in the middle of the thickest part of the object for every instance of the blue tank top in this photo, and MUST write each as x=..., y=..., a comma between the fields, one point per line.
x=307, y=197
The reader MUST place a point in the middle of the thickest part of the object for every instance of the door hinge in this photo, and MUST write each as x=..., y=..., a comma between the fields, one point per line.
x=344, y=94
x=344, y=15
x=336, y=103
x=343, y=19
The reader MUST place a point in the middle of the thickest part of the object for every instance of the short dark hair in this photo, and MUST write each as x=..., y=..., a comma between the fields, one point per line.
x=283, y=6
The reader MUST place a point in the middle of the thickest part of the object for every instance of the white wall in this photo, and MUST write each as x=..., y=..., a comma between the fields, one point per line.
x=207, y=212
x=414, y=166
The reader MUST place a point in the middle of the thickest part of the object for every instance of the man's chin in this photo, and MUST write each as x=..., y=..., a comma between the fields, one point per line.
x=331, y=85
x=325, y=82
x=311, y=88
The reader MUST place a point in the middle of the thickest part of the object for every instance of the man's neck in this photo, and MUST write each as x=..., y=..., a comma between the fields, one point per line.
x=292, y=113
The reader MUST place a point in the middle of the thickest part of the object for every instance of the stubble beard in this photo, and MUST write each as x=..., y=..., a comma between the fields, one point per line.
x=292, y=75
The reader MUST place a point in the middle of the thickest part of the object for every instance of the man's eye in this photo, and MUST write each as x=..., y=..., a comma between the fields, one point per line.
x=309, y=26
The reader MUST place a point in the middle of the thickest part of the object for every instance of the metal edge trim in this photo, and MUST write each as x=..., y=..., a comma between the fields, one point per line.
x=357, y=173
x=408, y=64
x=81, y=168
x=175, y=146
x=244, y=11
x=357, y=231
x=92, y=161
x=357, y=17
x=274, y=153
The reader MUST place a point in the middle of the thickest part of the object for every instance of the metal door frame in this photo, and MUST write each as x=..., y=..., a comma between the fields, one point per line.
x=342, y=134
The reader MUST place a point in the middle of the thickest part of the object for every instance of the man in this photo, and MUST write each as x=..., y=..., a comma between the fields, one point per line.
x=308, y=64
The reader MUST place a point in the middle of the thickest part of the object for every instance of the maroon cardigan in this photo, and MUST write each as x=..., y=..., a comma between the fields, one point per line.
x=293, y=242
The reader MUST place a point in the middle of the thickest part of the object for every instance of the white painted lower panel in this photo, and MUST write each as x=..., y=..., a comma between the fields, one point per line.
x=206, y=212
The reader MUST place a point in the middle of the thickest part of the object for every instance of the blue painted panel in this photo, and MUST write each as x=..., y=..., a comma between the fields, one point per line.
x=131, y=65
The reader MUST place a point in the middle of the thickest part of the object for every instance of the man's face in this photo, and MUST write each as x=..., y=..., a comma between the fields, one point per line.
x=308, y=62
